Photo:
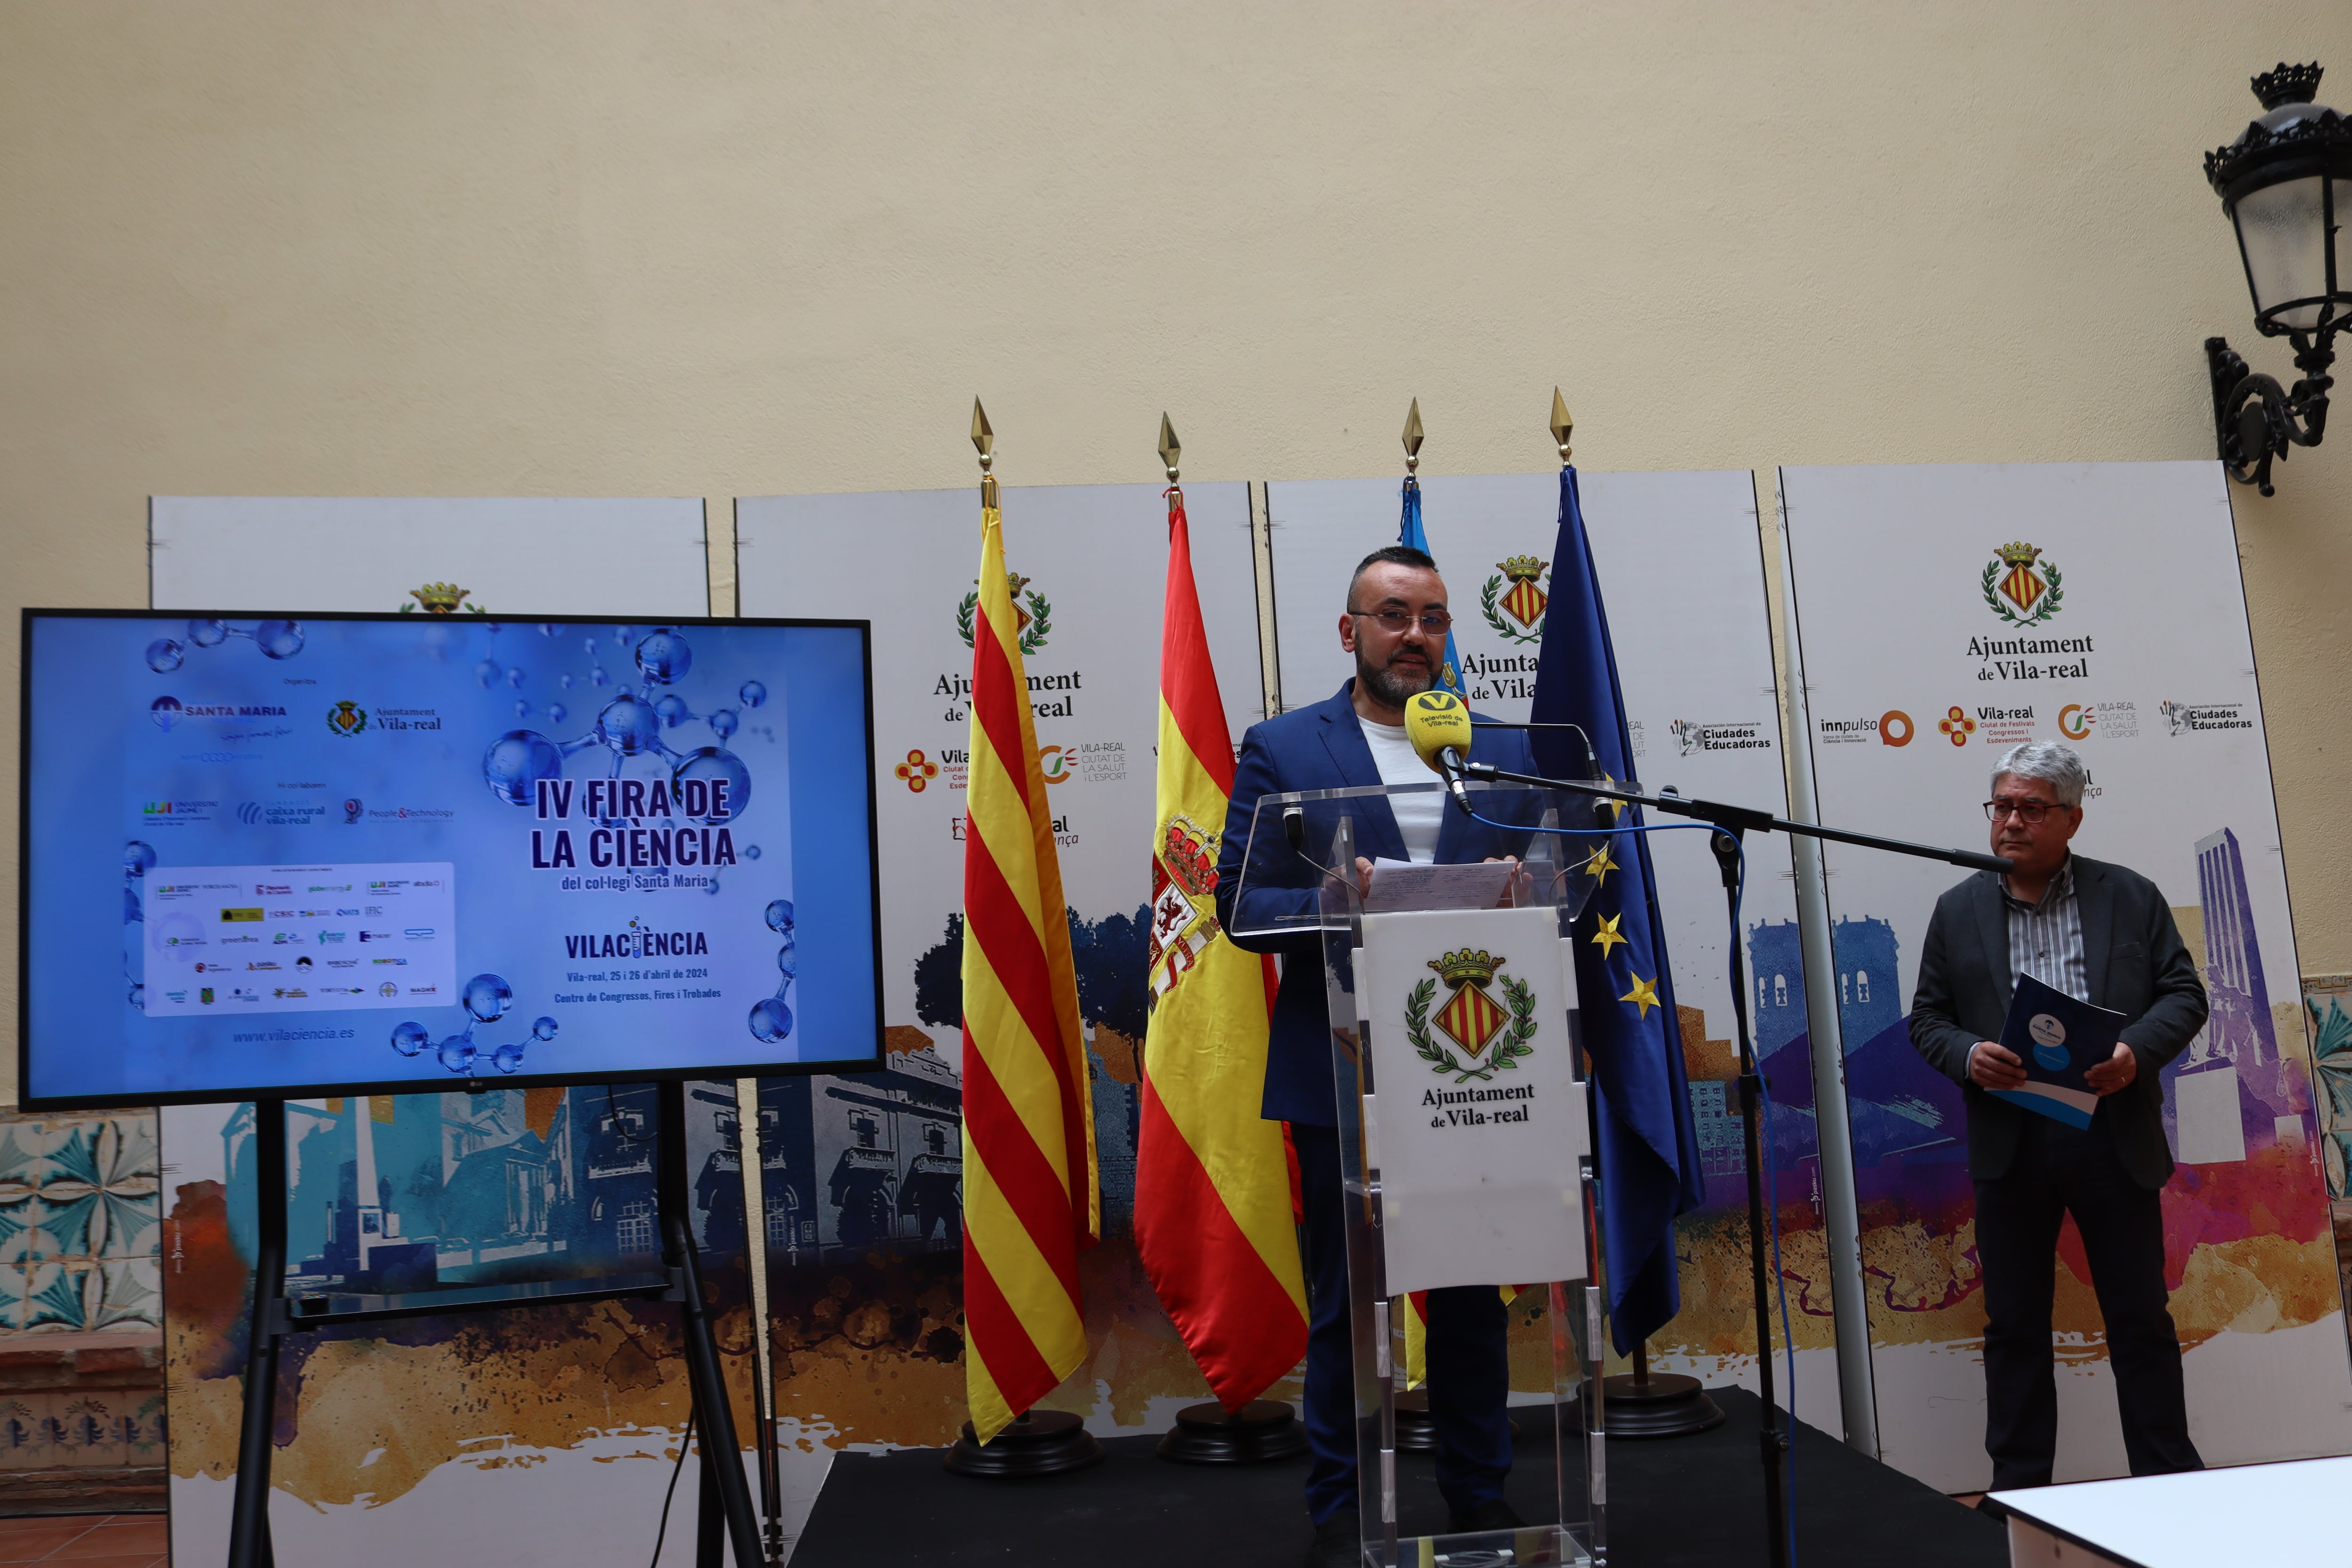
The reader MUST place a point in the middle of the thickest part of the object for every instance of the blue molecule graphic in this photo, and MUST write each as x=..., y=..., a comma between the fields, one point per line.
x=208, y=634
x=131, y=914
x=588, y=646
x=752, y=694
x=544, y=1029
x=567, y=681
x=712, y=765
x=487, y=997
x=515, y=763
x=278, y=639
x=597, y=677
x=508, y=1058
x=711, y=886
x=164, y=656
x=165, y=710
x=514, y=678
x=673, y=710
x=771, y=1019
x=138, y=996
x=723, y=722
x=485, y=673
x=409, y=1039
x=556, y=713
x=779, y=915
x=629, y=724
x=663, y=657
x=137, y=857
x=547, y=628
x=788, y=957
x=750, y=852
x=457, y=1053
x=522, y=710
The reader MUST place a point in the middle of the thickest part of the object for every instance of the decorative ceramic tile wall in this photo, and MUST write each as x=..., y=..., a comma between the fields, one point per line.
x=79, y=1231
x=108, y=1428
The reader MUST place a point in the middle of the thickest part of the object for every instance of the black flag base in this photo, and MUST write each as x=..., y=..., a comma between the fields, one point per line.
x=1643, y=1404
x=1205, y=1435
x=1036, y=1443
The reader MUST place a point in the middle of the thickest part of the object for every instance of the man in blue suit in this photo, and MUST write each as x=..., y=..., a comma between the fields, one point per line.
x=1395, y=625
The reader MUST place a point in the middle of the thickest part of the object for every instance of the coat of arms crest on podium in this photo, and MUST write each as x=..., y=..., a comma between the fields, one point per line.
x=1491, y=1036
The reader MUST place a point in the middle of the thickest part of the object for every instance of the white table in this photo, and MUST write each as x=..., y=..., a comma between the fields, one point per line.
x=2285, y=1513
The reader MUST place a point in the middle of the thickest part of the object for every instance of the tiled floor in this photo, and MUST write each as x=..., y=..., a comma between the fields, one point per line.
x=87, y=1541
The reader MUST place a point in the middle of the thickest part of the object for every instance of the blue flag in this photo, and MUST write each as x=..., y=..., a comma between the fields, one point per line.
x=1649, y=1151
x=1410, y=534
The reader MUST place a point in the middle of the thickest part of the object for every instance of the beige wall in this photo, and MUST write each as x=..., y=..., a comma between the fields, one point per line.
x=588, y=247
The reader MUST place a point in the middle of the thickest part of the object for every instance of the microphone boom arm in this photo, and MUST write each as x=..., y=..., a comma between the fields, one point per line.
x=1737, y=820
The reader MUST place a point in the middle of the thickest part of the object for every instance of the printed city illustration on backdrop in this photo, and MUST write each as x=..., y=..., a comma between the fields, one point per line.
x=1947, y=614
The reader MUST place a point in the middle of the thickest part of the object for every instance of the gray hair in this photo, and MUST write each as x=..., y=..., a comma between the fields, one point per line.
x=2060, y=767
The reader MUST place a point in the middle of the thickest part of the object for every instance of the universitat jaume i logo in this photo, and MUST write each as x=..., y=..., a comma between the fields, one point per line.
x=1524, y=604
x=347, y=719
x=1471, y=1017
x=1034, y=614
x=2015, y=591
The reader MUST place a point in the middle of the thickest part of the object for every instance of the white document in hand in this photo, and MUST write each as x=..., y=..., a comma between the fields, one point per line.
x=1406, y=885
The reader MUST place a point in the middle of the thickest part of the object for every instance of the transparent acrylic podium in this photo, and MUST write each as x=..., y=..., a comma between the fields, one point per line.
x=1463, y=1135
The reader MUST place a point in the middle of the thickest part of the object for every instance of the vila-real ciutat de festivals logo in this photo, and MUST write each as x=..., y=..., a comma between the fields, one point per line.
x=1491, y=1037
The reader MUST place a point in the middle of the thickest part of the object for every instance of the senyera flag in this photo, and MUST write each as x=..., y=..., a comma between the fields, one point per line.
x=1213, y=1201
x=1031, y=1200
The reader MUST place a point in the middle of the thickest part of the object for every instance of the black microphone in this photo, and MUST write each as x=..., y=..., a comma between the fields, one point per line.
x=1438, y=727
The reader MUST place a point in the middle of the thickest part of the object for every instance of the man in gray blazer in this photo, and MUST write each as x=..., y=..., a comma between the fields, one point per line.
x=2104, y=935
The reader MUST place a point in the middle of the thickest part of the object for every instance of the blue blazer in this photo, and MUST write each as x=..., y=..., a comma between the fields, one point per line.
x=1322, y=747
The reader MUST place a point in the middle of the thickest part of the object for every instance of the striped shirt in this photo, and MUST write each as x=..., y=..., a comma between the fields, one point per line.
x=2045, y=940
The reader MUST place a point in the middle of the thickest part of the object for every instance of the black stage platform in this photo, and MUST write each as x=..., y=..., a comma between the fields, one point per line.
x=1677, y=1502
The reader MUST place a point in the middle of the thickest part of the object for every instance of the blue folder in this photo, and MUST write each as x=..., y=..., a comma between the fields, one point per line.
x=2058, y=1039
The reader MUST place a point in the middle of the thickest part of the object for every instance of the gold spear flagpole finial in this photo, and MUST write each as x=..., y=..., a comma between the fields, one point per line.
x=1170, y=450
x=1561, y=424
x=983, y=438
x=1412, y=438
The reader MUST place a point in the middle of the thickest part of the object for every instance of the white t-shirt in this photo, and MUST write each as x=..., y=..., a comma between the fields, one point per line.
x=1418, y=816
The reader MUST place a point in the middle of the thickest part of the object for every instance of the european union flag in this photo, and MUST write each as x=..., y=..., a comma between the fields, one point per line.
x=1649, y=1151
x=1410, y=534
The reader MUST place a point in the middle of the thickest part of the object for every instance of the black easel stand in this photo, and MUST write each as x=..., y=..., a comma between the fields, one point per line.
x=726, y=1513
x=1729, y=823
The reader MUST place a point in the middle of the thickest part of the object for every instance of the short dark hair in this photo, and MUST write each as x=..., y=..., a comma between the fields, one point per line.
x=1391, y=555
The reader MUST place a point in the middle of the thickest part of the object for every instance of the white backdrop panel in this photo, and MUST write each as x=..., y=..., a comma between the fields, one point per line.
x=1682, y=574
x=516, y=557
x=2130, y=642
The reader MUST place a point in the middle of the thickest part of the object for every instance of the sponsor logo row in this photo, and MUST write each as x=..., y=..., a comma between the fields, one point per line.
x=1993, y=724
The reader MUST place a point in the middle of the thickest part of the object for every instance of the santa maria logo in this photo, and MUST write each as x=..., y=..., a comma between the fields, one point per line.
x=2015, y=591
x=1523, y=604
x=1490, y=1036
x=347, y=719
x=1030, y=608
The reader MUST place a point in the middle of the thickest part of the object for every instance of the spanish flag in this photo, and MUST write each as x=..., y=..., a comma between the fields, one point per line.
x=1031, y=1202
x=1213, y=1211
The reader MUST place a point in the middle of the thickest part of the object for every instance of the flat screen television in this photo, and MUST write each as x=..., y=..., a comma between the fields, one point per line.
x=279, y=855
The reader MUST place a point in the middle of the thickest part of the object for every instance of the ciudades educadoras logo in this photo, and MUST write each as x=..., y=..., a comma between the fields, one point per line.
x=2016, y=590
x=1491, y=1037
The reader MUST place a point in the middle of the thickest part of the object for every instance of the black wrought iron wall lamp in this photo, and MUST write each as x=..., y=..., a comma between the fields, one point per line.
x=2286, y=185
